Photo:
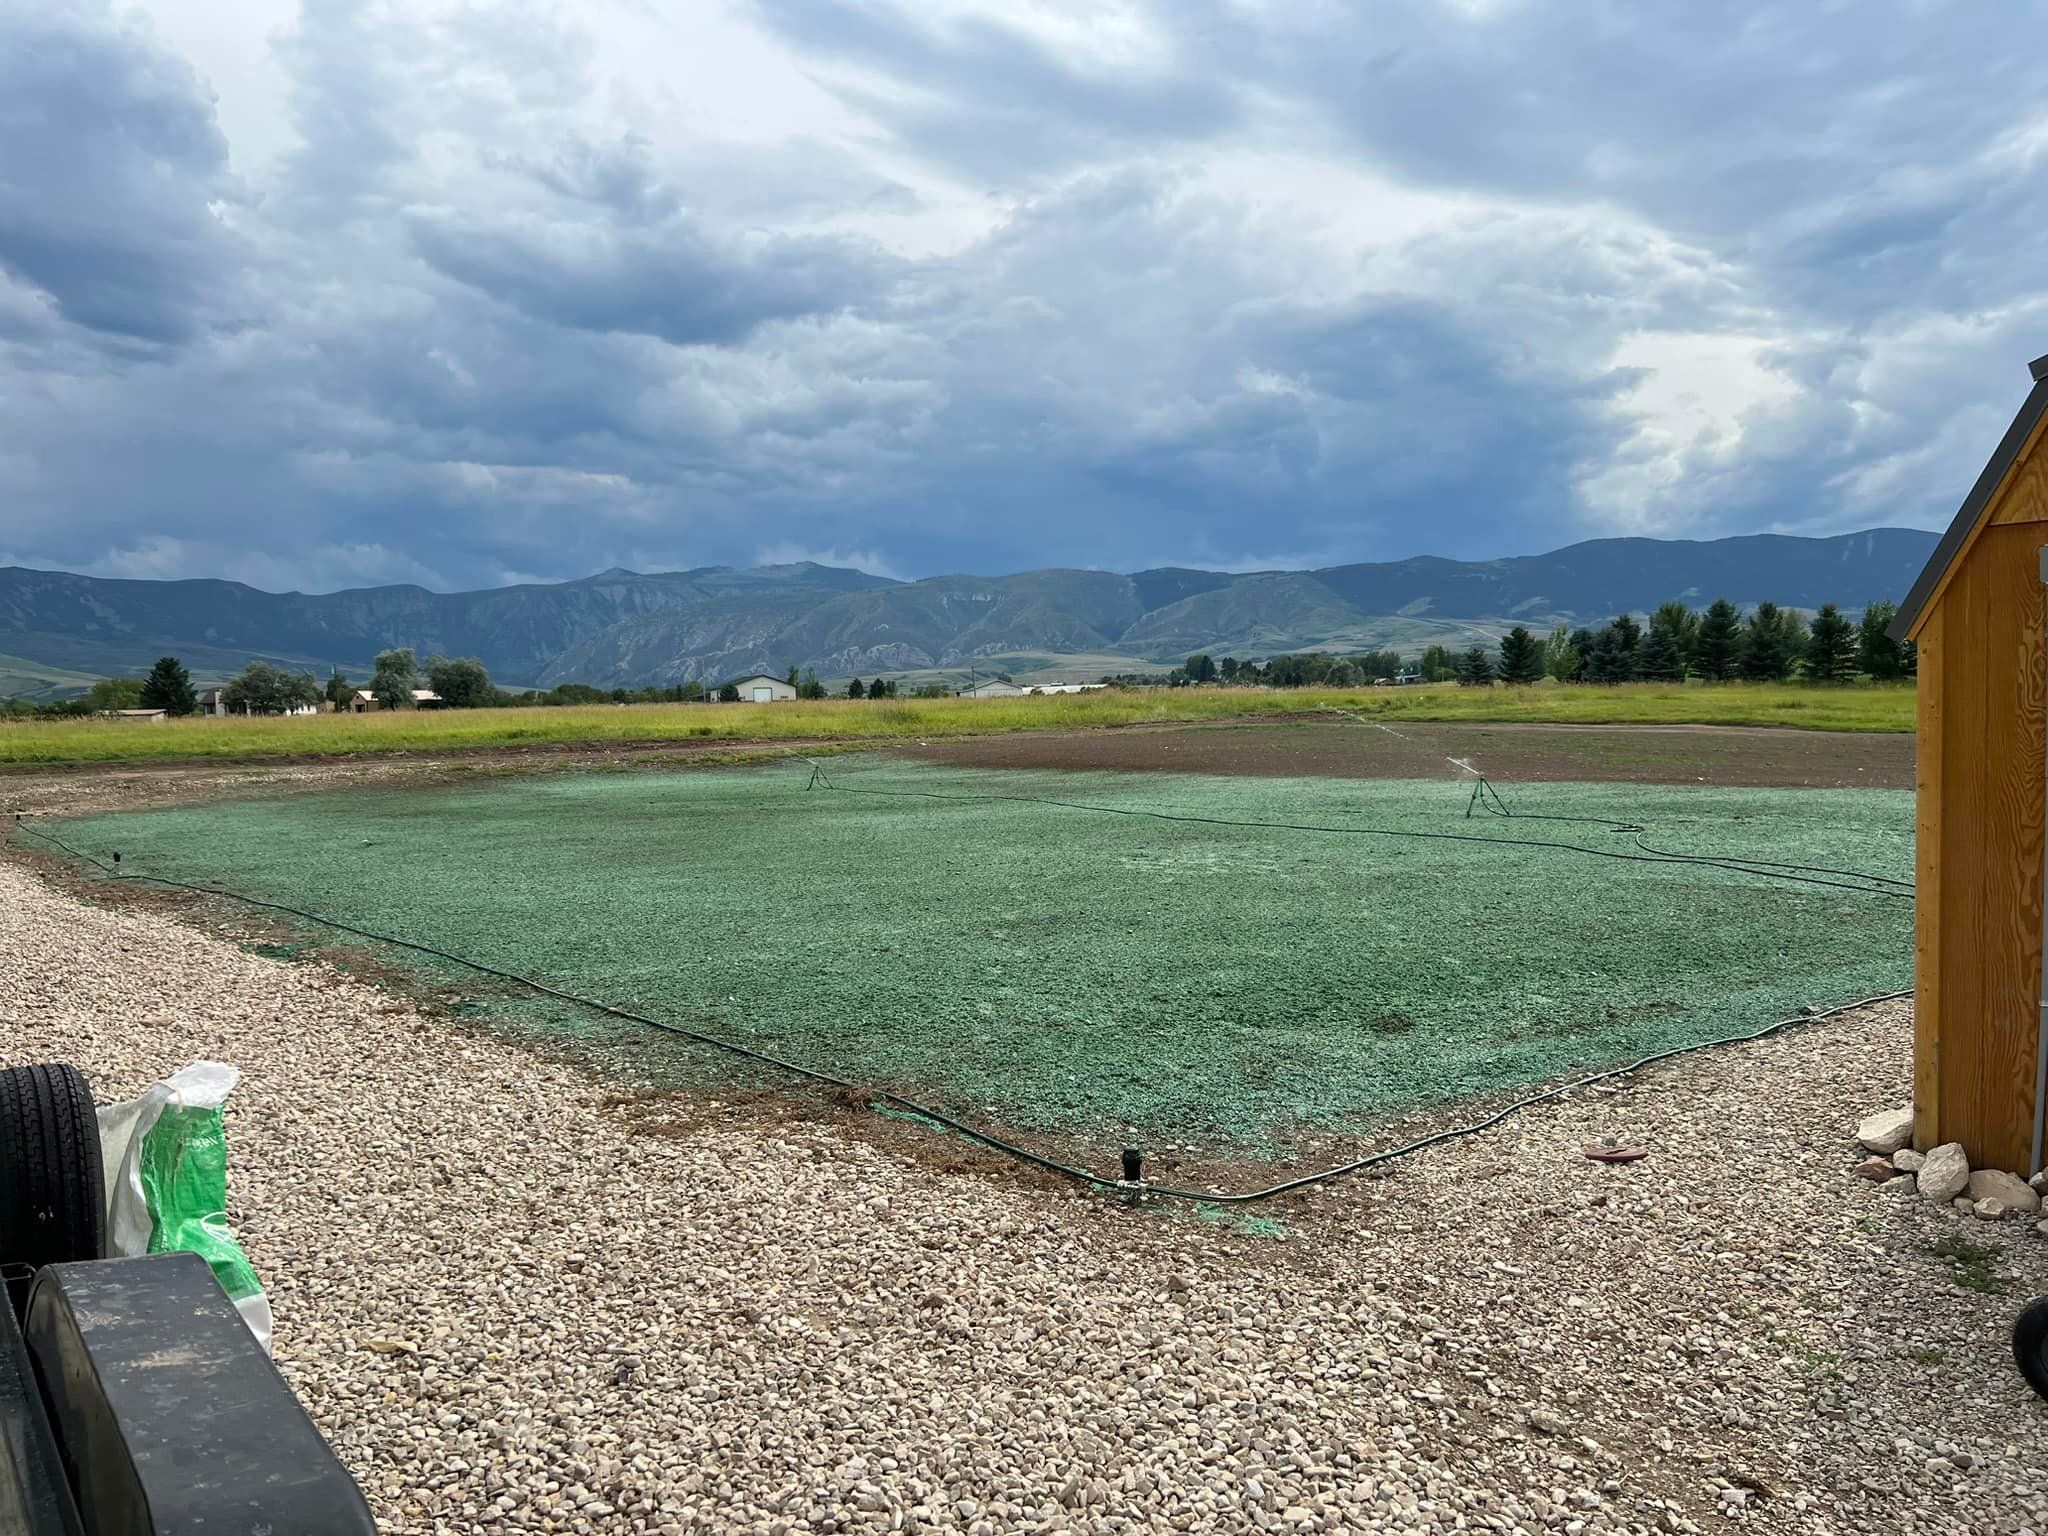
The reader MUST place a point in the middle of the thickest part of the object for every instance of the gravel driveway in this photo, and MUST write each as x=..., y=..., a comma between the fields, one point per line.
x=514, y=1306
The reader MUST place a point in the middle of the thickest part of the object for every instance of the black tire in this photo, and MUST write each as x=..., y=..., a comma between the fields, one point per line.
x=2030, y=1345
x=52, y=1188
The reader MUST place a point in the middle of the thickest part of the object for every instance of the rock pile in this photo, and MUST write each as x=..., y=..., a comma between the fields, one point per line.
x=1943, y=1175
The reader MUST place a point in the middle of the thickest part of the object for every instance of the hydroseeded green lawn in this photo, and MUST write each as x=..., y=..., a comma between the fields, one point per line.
x=1854, y=707
x=1072, y=970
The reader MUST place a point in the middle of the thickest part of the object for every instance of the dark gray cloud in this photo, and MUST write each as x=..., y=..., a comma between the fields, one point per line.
x=109, y=162
x=528, y=291
x=666, y=279
x=989, y=97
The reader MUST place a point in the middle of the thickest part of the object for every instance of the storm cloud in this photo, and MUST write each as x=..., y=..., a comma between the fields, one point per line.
x=338, y=292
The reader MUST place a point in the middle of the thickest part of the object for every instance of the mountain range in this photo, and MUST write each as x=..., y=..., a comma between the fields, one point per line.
x=623, y=628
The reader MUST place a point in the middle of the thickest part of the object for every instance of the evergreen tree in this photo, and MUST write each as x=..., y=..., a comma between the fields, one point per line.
x=1679, y=627
x=728, y=693
x=1792, y=638
x=338, y=690
x=1475, y=668
x=1200, y=668
x=1521, y=657
x=1764, y=656
x=856, y=689
x=169, y=688
x=1657, y=657
x=1717, y=647
x=1611, y=655
x=1877, y=653
x=1831, y=647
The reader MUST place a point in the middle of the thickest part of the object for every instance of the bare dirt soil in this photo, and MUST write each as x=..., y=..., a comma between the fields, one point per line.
x=1736, y=756
x=1758, y=756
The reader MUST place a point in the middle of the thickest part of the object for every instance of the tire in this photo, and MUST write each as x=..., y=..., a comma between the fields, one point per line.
x=52, y=1188
x=2030, y=1345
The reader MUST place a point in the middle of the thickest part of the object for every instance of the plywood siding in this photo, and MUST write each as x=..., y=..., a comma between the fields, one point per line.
x=1927, y=999
x=1985, y=690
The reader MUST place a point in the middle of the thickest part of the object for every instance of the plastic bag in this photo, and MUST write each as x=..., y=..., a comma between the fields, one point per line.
x=166, y=1157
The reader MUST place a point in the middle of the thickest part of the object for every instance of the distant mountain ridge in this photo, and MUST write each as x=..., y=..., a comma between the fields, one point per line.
x=622, y=628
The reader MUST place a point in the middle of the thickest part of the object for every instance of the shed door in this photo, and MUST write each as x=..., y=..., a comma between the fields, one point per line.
x=763, y=694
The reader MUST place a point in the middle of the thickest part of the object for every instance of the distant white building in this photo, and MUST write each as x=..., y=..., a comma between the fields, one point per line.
x=364, y=702
x=213, y=701
x=1065, y=687
x=760, y=688
x=994, y=688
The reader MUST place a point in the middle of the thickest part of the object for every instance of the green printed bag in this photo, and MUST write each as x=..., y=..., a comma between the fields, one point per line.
x=166, y=1157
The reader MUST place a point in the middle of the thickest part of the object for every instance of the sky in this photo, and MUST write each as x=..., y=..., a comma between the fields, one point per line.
x=325, y=293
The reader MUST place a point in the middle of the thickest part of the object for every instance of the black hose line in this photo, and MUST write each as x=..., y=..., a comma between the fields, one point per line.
x=938, y=1117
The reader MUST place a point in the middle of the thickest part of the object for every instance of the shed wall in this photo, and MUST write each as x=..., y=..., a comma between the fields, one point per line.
x=1983, y=693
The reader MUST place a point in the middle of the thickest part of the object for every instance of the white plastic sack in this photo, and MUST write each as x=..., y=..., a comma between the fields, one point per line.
x=165, y=1154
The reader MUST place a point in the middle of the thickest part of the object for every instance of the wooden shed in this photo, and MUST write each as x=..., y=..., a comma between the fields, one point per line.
x=1980, y=1053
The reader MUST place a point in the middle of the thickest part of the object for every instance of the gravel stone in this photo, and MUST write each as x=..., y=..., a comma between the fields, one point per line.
x=751, y=1344
x=1886, y=1131
x=2009, y=1190
x=1946, y=1173
x=1906, y=1160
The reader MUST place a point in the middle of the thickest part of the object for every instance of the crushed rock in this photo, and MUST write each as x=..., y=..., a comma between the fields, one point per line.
x=510, y=1312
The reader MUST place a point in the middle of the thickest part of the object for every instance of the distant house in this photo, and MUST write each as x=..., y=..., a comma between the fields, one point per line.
x=994, y=688
x=1065, y=687
x=760, y=688
x=364, y=702
x=136, y=716
x=213, y=701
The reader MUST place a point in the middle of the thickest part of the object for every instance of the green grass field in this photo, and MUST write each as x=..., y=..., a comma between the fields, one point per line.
x=1079, y=971
x=1852, y=708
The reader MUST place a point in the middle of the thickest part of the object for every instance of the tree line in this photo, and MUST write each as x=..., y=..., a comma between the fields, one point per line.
x=1717, y=644
x=460, y=682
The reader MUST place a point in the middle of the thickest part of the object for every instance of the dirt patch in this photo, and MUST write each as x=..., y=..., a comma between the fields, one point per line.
x=84, y=789
x=1734, y=756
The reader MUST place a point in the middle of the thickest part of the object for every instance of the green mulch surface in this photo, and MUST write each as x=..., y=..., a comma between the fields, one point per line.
x=1069, y=970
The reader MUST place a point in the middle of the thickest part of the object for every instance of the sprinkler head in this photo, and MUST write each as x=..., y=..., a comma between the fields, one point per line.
x=1134, y=1164
x=117, y=858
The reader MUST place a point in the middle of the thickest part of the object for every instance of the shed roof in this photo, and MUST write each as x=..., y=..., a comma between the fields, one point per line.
x=756, y=677
x=1976, y=504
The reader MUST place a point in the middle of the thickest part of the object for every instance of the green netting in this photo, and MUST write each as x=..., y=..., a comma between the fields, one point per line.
x=1075, y=971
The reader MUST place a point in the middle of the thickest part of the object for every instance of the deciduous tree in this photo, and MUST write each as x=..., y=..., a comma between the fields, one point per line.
x=395, y=677
x=462, y=682
x=1561, y=658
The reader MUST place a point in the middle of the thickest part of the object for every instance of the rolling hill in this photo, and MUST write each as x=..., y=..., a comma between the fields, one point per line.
x=622, y=628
